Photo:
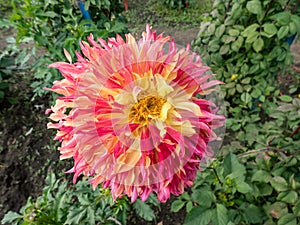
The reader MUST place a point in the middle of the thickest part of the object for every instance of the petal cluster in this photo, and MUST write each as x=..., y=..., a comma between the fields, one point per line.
x=133, y=114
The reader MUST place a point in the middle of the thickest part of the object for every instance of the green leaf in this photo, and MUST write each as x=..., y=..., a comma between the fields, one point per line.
x=11, y=217
x=256, y=93
x=198, y=216
x=254, y=7
x=232, y=166
x=220, y=31
x=270, y=29
x=296, y=209
x=75, y=216
x=236, y=45
x=189, y=206
x=287, y=219
x=227, y=39
x=233, y=32
x=258, y=44
x=288, y=197
x=90, y=215
x=224, y=49
x=246, y=80
x=278, y=209
x=250, y=29
x=279, y=183
x=285, y=98
x=282, y=18
x=246, y=98
x=262, y=98
x=252, y=37
x=143, y=210
x=243, y=187
x=203, y=197
x=177, y=205
x=283, y=32
x=261, y=176
x=264, y=189
x=220, y=216
x=253, y=214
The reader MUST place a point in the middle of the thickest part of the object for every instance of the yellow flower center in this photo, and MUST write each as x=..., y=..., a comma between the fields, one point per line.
x=146, y=109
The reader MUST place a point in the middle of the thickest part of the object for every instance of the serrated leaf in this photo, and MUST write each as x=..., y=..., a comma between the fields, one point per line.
x=258, y=44
x=75, y=216
x=90, y=215
x=220, y=216
x=198, y=216
x=232, y=166
x=144, y=210
x=253, y=214
x=177, y=205
x=203, y=197
x=83, y=199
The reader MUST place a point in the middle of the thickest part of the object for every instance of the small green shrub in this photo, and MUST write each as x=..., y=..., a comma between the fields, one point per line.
x=173, y=4
x=61, y=203
x=79, y=204
x=245, y=44
x=255, y=179
x=13, y=60
x=57, y=24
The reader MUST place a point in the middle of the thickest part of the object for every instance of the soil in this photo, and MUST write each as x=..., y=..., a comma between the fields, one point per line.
x=27, y=152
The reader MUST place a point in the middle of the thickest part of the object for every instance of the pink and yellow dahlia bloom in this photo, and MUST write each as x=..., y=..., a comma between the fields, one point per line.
x=133, y=114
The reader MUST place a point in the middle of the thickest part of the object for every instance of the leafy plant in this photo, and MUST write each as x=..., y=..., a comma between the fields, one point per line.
x=232, y=191
x=58, y=24
x=12, y=59
x=60, y=204
x=175, y=3
x=246, y=43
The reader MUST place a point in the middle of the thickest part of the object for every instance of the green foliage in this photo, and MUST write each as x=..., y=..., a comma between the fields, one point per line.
x=144, y=210
x=12, y=59
x=60, y=204
x=173, y=4
x=255, y=179
x=190, y=13
x=58, y=24
x=244, y=44
x=231, y=191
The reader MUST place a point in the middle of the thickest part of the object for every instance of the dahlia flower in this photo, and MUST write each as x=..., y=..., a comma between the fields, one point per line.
x=133, y=114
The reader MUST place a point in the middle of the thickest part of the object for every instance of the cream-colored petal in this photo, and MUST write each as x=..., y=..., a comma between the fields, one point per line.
x=165, y=110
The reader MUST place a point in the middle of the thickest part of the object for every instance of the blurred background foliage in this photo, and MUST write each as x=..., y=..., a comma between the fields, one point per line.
x=255, y=178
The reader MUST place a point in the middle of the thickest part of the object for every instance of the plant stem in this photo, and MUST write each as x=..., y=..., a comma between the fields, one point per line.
x=295, y=131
